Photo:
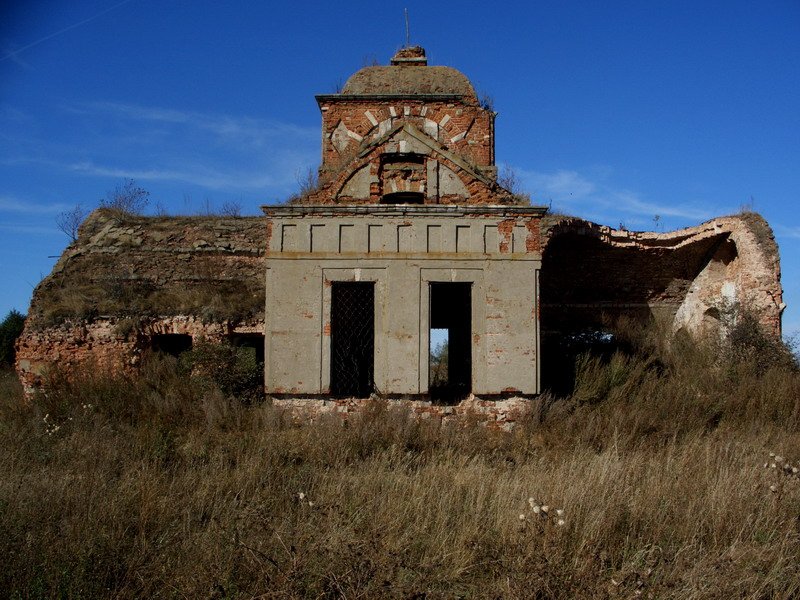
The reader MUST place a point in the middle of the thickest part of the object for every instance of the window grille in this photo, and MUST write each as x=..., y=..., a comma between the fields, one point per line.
x=352, y=338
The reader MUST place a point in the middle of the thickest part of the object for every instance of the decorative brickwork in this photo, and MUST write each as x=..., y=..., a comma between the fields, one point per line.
x=428, y=118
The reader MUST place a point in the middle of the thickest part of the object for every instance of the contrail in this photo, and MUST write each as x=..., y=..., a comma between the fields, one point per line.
x=60, y=31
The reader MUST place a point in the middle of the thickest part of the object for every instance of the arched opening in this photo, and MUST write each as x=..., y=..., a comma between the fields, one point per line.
x=593, y=290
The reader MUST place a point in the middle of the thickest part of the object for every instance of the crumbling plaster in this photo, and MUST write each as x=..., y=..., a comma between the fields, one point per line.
x=402, y=249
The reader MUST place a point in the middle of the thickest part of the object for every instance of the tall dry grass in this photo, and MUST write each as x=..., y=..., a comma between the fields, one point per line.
x=160, y=486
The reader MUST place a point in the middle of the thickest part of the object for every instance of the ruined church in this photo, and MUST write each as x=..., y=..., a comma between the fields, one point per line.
x=408, y=231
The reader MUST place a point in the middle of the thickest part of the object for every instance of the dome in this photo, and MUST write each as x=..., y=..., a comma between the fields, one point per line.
x=409, y=76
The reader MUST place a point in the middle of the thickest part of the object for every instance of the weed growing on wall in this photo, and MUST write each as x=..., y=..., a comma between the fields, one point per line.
x=747, y=344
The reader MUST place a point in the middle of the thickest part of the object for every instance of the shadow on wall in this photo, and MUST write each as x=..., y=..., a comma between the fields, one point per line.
x=561, y=354
x=590, y=286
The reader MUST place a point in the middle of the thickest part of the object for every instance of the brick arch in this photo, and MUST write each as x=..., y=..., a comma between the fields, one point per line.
x=585, y=264
x=362, y=126
x=437, y=114
x=334, y=187
x=375, y=129
x=476, y=188
x=352, y=175
x=479, y=191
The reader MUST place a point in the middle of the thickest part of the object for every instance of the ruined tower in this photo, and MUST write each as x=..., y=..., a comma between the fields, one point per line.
x=407, y=133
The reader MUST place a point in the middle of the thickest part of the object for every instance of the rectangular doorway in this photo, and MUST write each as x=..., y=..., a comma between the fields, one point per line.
x=352, y=338
x=450, y=374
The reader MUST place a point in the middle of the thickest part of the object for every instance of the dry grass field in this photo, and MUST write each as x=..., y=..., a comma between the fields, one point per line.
x=161, y=486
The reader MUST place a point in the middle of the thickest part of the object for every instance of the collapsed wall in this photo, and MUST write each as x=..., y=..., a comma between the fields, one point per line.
x=696, y=279
x=129, y=284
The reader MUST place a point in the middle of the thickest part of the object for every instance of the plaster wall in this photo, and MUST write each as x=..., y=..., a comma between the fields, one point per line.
x=402, y=250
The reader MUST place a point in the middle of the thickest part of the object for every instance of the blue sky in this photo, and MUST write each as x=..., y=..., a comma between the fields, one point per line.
x=613, y=111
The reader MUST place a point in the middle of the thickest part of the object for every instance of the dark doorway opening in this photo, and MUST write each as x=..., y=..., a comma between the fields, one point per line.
x=450, y=376
x=250, y=344
x=403, y=198
x=173, y=344
x=563, y=351
x=352, y=339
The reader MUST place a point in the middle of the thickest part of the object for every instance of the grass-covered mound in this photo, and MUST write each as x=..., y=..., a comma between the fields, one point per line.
x=163, y=486
x=126, y=265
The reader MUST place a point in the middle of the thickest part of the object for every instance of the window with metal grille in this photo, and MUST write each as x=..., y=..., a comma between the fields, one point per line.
x=352, y=338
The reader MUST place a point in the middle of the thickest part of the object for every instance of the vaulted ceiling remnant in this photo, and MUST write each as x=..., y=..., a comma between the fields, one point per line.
x=690, y=278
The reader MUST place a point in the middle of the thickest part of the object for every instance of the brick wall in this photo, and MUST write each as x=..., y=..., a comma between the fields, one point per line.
x=464, y=129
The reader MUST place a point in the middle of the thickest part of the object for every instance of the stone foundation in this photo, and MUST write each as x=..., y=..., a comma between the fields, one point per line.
x=501, y=415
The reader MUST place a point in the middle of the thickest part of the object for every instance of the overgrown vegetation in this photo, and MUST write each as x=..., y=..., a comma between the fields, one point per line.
x=235, y=371
x=10, y=330
x=213, y=273
x=163, y=484
x=211, y=300
x=69, y=221
x=307, y=184
x=127, y=199
x=747, y=343
x=510, y=181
